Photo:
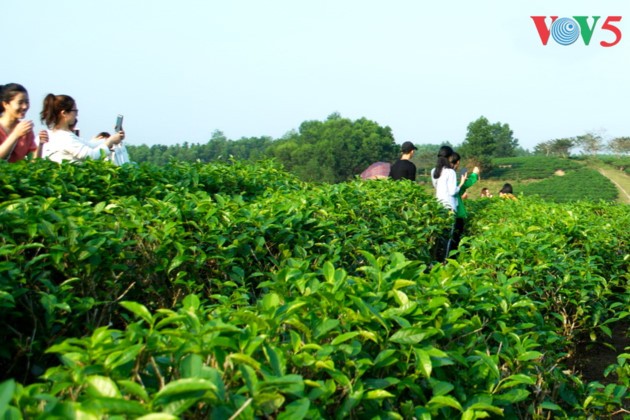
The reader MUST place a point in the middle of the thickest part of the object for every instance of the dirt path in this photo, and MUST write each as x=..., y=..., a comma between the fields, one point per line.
x=620, y=179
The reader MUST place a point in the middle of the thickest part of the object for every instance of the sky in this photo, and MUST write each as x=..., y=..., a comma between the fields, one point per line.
x=180, y=70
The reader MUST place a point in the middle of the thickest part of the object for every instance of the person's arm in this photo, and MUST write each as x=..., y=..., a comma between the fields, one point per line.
x=115, y=139
x=8, y=145
x=43, y=139
x=411, y=173
x=81, y=150
x=452, y=189
x=469, y=182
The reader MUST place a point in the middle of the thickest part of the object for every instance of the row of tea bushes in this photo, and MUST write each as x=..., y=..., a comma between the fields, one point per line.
x=582, y=184
x=309, y=302
x=530, y=167
x=66, y=263
x=96, y=181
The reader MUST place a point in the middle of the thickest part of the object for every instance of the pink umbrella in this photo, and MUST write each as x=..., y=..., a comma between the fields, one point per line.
x=376, y=170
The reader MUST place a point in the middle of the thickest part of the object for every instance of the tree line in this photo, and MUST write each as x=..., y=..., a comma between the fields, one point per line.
x=338, y=149
x=591, y=143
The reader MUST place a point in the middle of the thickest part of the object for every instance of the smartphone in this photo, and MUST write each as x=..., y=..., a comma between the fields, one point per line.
x=463, y=172
x=119, y=121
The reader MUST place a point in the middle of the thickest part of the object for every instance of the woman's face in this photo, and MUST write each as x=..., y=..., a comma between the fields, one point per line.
x=71, y=116
x=18, y=106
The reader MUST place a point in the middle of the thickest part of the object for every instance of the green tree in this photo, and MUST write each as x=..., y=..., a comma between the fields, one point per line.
x=558, y=147
x=504, y=142
x=334, y=150
x=139, y=153
x=591, y=143
x=485, y=141
x=619, y=145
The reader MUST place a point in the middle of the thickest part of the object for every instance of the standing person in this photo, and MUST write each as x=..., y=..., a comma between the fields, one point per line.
x=17, y=138
x=460, y=212
x=444, y=179
x=404, y=168
x=59, y=113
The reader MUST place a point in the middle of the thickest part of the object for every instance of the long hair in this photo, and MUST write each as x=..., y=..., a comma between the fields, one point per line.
x=8, y=92
x=53, y=105
x=443, y=160
x=506, y=189
x=455, y=157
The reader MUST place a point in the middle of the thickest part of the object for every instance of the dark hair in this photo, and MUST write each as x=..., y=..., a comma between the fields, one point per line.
x=53, y=105
x=103, y=134
x=507, y=189
x=443, y=161
x=455, y=157
x=8, y=92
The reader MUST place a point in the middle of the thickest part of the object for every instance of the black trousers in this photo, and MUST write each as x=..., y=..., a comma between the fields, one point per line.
x=450, y=240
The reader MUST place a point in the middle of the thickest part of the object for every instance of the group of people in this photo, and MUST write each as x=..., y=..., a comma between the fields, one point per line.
x=448, y=191
x=59, y=142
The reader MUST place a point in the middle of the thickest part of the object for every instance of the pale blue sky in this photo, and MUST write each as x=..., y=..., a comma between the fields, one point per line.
x=180, y=70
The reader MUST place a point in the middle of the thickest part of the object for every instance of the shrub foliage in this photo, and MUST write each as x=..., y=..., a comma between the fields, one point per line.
x=227, y=290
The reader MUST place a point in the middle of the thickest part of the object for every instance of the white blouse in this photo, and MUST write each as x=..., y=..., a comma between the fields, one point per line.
x=446, y=188
x=66, y=146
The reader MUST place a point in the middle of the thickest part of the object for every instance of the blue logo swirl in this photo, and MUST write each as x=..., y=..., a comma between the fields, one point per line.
x=565, y=31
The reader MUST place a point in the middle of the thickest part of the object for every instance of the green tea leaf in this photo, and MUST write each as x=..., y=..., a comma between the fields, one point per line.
x=423, y=362
x=529, y=355
x=190, y=366
x=378, y=394
x=102, y=386
x=183, y=389
x=444, y=401
x=296, y=410
x=411, y=335
x=138, y=310
x=344, y=337
x=7, y=388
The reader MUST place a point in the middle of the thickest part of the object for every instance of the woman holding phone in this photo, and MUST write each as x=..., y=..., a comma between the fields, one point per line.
x=17, y=139
x=59, y=113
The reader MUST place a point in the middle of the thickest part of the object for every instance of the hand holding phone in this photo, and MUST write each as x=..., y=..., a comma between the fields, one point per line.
x=119, y=122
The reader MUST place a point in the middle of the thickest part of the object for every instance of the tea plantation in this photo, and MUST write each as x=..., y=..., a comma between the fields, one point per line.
x=234, y=290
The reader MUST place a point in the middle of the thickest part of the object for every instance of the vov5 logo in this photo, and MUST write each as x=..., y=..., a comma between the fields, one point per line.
x=565, y=31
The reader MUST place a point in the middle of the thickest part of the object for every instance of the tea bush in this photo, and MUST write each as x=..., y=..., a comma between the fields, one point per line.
x=582, y=184
x=67, y=262
x=193, y=293
x=530, y=167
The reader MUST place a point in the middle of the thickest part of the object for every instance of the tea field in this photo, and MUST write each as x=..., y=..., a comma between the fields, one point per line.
x=551, y=178
x=233, y=290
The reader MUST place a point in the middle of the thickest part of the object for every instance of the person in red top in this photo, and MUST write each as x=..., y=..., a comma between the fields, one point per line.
x=17, y=138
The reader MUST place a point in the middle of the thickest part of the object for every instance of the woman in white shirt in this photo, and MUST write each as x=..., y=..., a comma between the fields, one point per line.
x=444, y=179
x=60, y=115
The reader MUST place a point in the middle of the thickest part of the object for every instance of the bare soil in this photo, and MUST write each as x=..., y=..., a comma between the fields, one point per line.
x=592, y=358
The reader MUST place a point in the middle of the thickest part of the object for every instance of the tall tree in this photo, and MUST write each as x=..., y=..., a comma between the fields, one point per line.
x=619, y=145
x=334, y=150
x=558, y=147
x=591, y=143
x=485, y=141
